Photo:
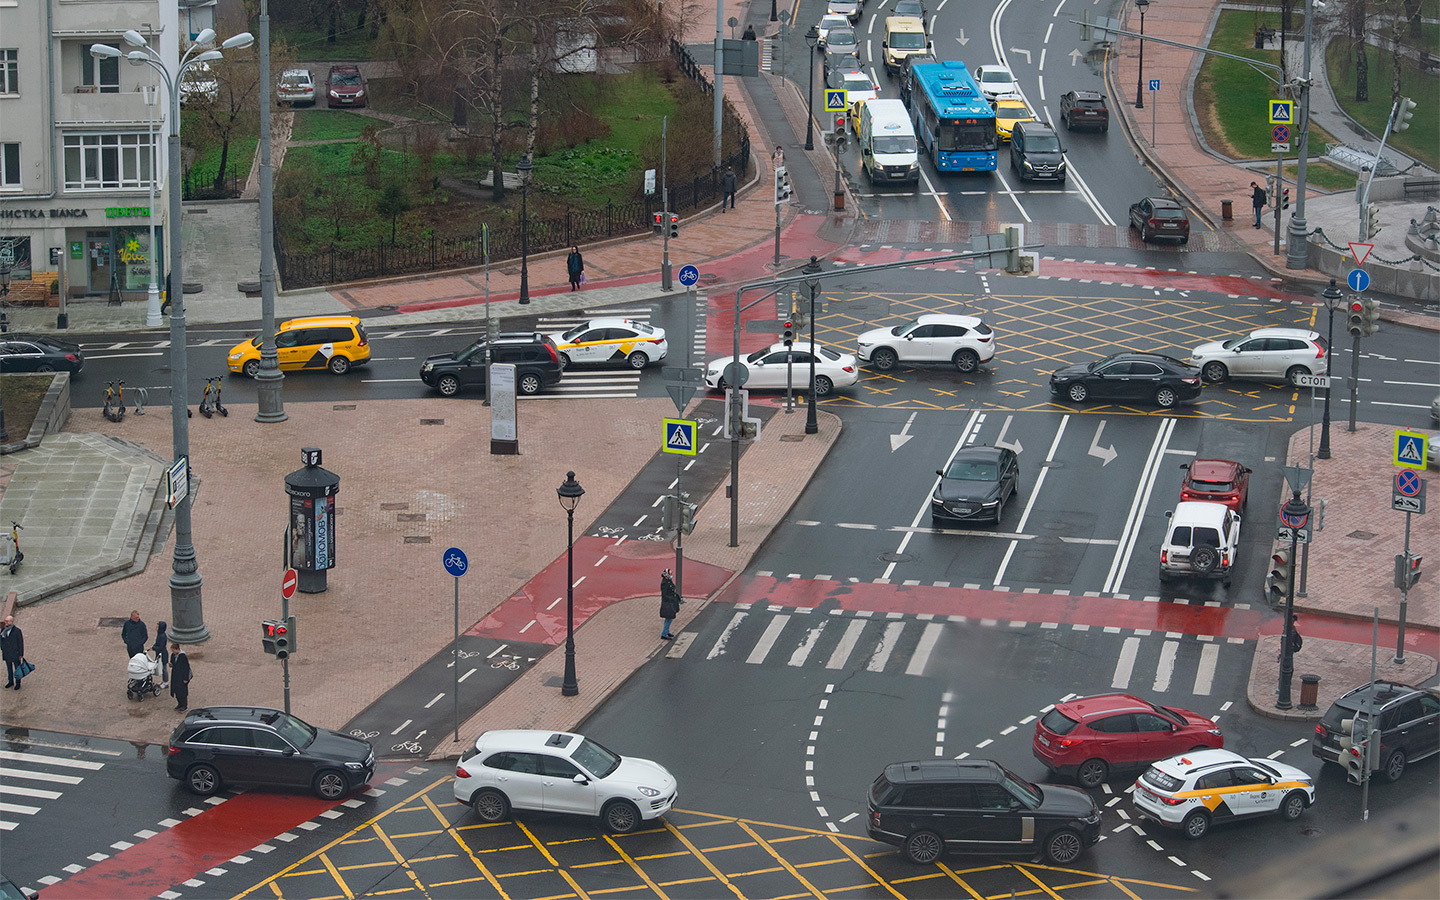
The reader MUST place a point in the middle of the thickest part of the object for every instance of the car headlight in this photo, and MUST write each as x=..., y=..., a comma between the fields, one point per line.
x=354, y=766
x=427, y=367
x=236, y=355
x=990, y=505
x=1061, y=166
x=648, y=791
x=1029, y=166
x=334, y=93
x=1092, y=819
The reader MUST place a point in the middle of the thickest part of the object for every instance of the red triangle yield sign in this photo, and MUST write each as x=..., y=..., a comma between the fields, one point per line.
x=1360, y=251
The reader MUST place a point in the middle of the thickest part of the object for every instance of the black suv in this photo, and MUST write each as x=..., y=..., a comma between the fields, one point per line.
x=978, y=806
x=255, y=745
x=534, y=356
x=1036, y=153
x=1409, y=723
x=907, y=74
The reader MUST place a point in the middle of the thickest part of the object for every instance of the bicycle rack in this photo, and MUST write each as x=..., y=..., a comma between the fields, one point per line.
x=142, y=396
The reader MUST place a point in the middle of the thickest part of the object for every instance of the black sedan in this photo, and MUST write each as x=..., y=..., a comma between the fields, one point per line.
x=976, y=485
x=1129, y=377
x=32, y=353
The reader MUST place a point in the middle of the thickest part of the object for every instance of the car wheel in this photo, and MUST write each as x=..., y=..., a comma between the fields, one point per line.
x=924, y=847
x=722, y=385
x=1063, y=847
x=339, y=365
x=1205, y=559
x=1394, y=766
x=44, y=367
x=202, y=780
x=621, y=816
x=1092, y=773
x=1078, y=392
x=966, y=360
x=1292, y=806
x=884, y=359
x=1294, y=373
x=1195, y=825
x=638, y=360
x=1166, y=398
x=329, y=785
x=564, y=361
x=1215, y=372
x=490, y=805
x=529, y=384
x=823, y=385
x=252, y=368
x=448, y=385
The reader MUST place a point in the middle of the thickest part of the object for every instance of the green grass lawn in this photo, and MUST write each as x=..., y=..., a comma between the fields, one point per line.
x=1424, y=88
x=328, y=125
x=21, y=396
x=1324, y=176
x=242, y=154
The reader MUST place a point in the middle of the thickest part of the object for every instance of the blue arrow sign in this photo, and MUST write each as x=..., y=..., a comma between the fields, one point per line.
x=1358, y=279
x=1154, y=84
x=689, y=275
x=455, y=562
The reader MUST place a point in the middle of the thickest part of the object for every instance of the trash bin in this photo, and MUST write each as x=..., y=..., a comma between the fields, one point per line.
x=1309, y=691
x=1227, y=210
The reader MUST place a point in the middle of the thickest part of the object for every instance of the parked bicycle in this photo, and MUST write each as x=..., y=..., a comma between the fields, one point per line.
x=114, y=400
x=210, y=401
x=15, y=553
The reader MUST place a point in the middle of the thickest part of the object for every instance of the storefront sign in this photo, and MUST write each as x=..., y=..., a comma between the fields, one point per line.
x=42, y=213
x=127, y=212
x=77, y=249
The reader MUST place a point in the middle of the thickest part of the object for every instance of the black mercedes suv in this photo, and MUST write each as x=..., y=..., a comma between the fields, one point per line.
x=1409, y=722
x=534, y=356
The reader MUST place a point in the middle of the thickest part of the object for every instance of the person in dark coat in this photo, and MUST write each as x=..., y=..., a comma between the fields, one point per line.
x=669, y=604
x=134, y=634
x=1257, y=200
x=12, y=648
x=161, y=648
x=575, y=267
x=180, y=675
x=727, y=184
x=749, y=34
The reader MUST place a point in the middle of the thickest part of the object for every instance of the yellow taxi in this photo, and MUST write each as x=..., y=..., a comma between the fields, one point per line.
x=1008, y=112
x=336, y=343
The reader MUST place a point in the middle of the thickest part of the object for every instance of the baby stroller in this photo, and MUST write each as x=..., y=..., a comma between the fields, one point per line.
x=140, y=675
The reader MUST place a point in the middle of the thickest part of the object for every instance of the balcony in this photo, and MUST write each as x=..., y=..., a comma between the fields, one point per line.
x=80, y=104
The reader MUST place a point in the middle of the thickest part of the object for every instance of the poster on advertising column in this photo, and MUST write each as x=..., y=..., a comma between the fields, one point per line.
x=504, y=436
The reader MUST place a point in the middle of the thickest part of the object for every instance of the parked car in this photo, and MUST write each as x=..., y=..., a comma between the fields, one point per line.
x=1216, y=481
x=1192, y=791
x=995, y=81
x=560, y=772
x=930, y=807
x=39, y=353
x=1010, y=111
x=975, y=485
x=598, y=341
x=1089, y=738
x=1129, y=376
x=219, y=745
x=1084, y=109
x=346, y=87
x=961, y=341
x=534, y=356
x=1036, y=153
x=767, y=367
x=1408, y=718
x=828, y=21
x=1201, y=541
x=1267, y=354
x=335, y=343
x=296, y=87
x=1156, y=217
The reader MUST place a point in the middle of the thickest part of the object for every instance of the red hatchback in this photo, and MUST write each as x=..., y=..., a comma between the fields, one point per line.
x=1088, y=736
x=1216, y=481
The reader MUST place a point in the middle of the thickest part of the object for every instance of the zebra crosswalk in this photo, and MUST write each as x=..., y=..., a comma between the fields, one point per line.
x=29, y=779
x=924, y=645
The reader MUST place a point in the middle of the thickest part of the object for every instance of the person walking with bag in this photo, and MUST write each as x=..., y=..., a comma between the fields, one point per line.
x=12, y=648
x=134, y=634
x=1257, y=200
x=180, y=675
x=575, y=266
x=669, y=604
x=161, y=648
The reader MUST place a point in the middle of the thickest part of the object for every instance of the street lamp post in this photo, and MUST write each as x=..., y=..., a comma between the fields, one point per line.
x=187, y=618
x=1333, y=299
x=812, y=425
x=1142, y=5
x=812, y=37
x=525, y=168
x=570, y=493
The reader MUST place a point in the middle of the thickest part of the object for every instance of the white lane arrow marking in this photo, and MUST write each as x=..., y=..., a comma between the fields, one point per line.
x=1075, y=56
x=962, y=38
x=1000, y=441
x=898, y=440
x=1106, y=453
x=1021, y=52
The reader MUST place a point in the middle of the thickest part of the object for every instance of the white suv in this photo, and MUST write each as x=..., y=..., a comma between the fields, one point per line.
x=559, y=772
x=1269, y=354
x=1195, y=790
x=963, y=341
x=1201, y=541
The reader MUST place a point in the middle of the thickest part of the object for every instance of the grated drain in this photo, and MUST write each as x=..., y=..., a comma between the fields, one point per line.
x=394, y=506
x=342, y=406
x=432, y=421
x=792, y=438
x=417, y=539
x=410, y=517
x=895, y=557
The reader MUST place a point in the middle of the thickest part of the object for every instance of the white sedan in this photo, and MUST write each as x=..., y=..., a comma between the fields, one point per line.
x=766, y=369
x=996, y=81
x=611, y=341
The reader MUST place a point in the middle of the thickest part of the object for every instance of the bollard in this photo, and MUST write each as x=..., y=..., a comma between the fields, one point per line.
x=1309, y=691
x=1227, y=210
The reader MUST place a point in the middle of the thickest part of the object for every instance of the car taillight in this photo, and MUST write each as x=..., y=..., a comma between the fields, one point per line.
x=1225, y=558
x=1322, y=730
x=461, y=773
x=1154, y=223
x=364, y=340
x=1067, y=742
x=875, y=817
x=72, y=357
x=1319, y=351
x=1170, y=801
x=985, y=340
x=1195, y=380
x=1164, y=557
x=174, y=749
x=849, y=368
x=553, y=357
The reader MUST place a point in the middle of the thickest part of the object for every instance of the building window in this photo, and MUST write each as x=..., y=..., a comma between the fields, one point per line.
x=9, y=166
x=104, y=71
x=10, y=71
x=95, y=162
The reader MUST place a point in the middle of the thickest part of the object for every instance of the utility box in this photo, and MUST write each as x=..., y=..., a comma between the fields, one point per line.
x=310, y=532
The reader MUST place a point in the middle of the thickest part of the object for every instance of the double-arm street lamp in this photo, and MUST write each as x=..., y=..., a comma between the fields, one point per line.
x=187, y=619
x=570, y=493
x=812, y=425
x=525, y=167
x=812, y=37
x=1141, y=5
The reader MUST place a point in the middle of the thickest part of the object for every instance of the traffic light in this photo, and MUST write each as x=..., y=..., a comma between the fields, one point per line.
x=674, y=225
x=783, y=189
x=667, y=513
x=1282, y=570
x=840, y=124
x=787, y=333
x=1404, y=113
x=1357, y=742
x=1407, y=570
x=1371, y=315
x=687, y=513
x=1286, y=195
x=1372, y=219
x=275, y=636
x=1355, y=320
x=659, y=224
x=1317, y=515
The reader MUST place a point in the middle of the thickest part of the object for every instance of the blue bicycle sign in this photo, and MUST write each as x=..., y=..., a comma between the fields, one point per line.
x=455, y=562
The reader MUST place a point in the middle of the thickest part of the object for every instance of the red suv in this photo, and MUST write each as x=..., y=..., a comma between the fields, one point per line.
x=346, y=87
x=1216, y=481
x=1088, y=736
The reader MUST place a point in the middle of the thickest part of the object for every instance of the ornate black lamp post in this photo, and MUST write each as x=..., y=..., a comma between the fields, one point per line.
x=812, y=37
x=1142, y=5
x=1333, y=300
x=525, y=168
x=570, y=493
x=812, y=426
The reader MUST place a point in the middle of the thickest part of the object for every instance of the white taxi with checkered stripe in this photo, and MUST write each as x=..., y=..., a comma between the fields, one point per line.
x=1195, y=790
x=600, y=341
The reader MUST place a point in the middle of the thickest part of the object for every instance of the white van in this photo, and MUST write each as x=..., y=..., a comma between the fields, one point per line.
x=904, y=35
x=887, y=141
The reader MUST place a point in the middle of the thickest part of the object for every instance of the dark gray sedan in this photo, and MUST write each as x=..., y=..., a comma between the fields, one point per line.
x=976, y=485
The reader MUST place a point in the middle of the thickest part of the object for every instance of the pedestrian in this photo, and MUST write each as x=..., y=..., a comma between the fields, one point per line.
x=1257, y=200
x=1296, y=641
x=777, y=159
x=134, y=634
x=669, y=604
x=161, y=648
x=749, y=34
x=727, y=184
x=12, y=647
x=180, y=675
x=575, y=266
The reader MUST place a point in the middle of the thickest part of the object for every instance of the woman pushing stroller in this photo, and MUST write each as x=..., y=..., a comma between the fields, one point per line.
x=140, y=675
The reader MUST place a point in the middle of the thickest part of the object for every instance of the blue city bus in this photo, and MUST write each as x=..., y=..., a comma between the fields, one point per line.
x=955, y=123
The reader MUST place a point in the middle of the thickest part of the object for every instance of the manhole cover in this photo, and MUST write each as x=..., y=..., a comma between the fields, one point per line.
x=1360, y=535
x=394, y=506
x=417, y=539
x=410, y=517
x=1311, y=831
x=432, y=421
x=342, y=406
x=895, y=557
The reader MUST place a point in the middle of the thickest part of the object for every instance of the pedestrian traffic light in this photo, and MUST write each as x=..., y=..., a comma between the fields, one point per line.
x=687, y=513
x=674, y=225
x=787, y=333
x=275, y=637
x=1372, y=220
x=1317, y=515
x=659, y=223
x=1355, y=320
x=783, y=190
x=1371, y=321
x=1404, y=113
x=1282, y=570
x=1407, y=570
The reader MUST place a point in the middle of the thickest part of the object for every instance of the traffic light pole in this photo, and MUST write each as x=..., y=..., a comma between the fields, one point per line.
x=679, y=531
x=1404, y=599
x=1294, y=509
x=665, y=283
x=1354, y=381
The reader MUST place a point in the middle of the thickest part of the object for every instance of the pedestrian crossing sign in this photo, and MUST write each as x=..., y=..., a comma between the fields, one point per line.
x=835, y=100
x=679, y=437
x=1282, y=112
x=1410, y=449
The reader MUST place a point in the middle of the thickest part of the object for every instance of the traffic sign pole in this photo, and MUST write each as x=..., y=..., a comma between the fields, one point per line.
x=456, y=564
x=288, y=582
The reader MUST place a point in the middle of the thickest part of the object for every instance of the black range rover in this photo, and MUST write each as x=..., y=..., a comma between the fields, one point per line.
x=534, y=356
x=930, y=807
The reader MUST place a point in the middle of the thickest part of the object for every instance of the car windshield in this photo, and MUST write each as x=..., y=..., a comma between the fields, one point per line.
x=1042, y=143
x=294, y=730
x=894, y=144
x=856, y=81
x=907, y=40
x=880, y=789
x=995, y=76
x=1158, y=779
x=840, y=36
x=574, y=332
x=1090, y=104
x=641, y=327
x=1211, y=487
x=827, y=354
x=1166, y=212
x=1057, y=722
x=347, y=78
x=973, y=470
x=1019, y=787
x=596, y=758
x=476, y=348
